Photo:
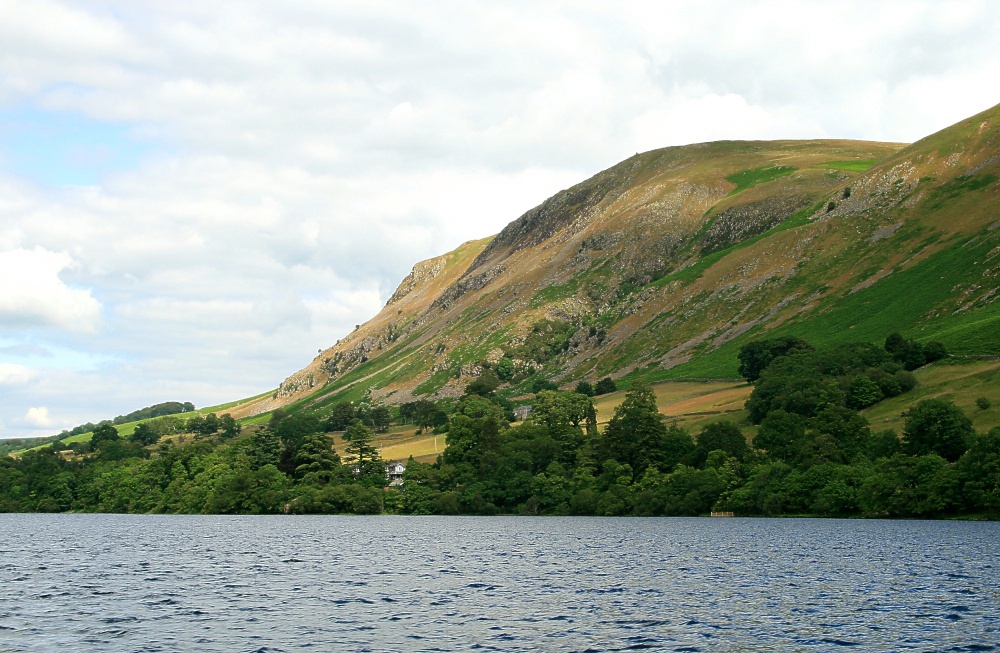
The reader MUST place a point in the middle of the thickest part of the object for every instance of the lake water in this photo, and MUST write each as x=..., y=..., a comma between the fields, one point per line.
x=80, y=583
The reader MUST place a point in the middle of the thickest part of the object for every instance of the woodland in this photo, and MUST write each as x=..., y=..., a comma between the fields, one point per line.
x=806, y=449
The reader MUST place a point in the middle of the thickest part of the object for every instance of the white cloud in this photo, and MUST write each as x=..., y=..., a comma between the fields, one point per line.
x=32, y=294
x=12, y=374
x=38, y=416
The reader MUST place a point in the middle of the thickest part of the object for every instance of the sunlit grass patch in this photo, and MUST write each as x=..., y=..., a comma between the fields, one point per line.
x=750, y=178
x=848, y=166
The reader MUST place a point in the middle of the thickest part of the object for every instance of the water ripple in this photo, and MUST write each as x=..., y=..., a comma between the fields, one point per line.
x=107, y=583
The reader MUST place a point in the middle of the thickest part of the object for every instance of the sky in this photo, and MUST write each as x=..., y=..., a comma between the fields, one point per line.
x=196, y=198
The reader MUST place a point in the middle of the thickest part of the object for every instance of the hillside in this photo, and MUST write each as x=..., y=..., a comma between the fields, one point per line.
x=658, y=269
x=663, y=265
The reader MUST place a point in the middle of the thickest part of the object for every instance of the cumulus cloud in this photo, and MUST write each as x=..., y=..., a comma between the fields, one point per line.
x=38, y=416
x=11, y=374
x=32, y=294
x=289, y=163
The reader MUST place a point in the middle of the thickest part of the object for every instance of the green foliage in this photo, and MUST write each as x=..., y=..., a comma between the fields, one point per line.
x=982, y=403
x=144, y=434
x=293, y=429
x=979, y=473
x=820, y=461
x=340, y=417
x=912, y=354
x=635, y=436
x=755, y=356
x=585, y=388
x=484, y=385
x=605, y=386
x=781, y=435
x=750, y=178
x=538, y=383
x=19, y=444
x=316, y=461
x=937, y=426
x=104, y=432
x=864, y=392
x=804, y=382
x=505, y=369
x=719, y=436
x=156, y=410
x=363, y=456
x=546, y=339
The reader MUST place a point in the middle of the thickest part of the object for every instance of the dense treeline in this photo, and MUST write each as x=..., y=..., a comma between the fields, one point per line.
x=149, y=412
x=812, y=453
x=156, y=410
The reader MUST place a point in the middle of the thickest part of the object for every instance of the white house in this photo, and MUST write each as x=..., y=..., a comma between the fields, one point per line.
x=394, y=473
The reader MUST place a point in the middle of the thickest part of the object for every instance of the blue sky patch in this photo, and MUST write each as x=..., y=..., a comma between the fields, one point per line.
x=55, y=148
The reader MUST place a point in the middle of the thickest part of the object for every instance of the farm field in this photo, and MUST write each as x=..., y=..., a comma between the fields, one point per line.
x=691, y=404
x=961, y=383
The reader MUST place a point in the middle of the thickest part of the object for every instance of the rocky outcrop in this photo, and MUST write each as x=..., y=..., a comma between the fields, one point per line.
x=422, y=273
x=467, y=284
x=738, y=223
x=574, y=205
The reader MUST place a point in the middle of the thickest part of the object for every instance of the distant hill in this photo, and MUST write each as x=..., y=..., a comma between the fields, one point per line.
x=662, y=266
x=156, y=410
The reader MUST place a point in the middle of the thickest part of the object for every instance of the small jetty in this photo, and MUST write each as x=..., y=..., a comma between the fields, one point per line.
x=722, y=514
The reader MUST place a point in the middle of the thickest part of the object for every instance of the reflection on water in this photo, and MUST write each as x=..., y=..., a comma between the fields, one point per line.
x=206, y=583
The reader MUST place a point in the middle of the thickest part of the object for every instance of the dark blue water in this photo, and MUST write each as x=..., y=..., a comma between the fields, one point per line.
x=191, y=583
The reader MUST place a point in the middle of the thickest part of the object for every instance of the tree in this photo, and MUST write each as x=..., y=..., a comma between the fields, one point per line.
x=264, y=448
x=979, y=471
x=293, y=429
x=505, y=369
x=429, y=415
x=564, y=414
x=895, y=343
x=540, y=383
x=317, y=459
x=585, y=388
x=912, y=354
x=203, y=424
x=144, y=434
x=755, y=356
x=781, y=435
x=635, y=435
x=484, y=385
x=937, y=426
x=864, y=392
x=935, y=351
x=677, y=447
x=103, y=432
x=230, y=427
x=720, y=436
x=849, y=429
x=363, y=455
x=380, y=418
x=555, y=409
x=340, y=417
x=605, y=385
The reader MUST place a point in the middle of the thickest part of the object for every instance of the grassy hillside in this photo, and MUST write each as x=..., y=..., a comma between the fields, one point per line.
x=662, y=266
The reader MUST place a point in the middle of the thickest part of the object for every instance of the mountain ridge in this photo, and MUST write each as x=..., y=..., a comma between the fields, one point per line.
x=664, y=262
